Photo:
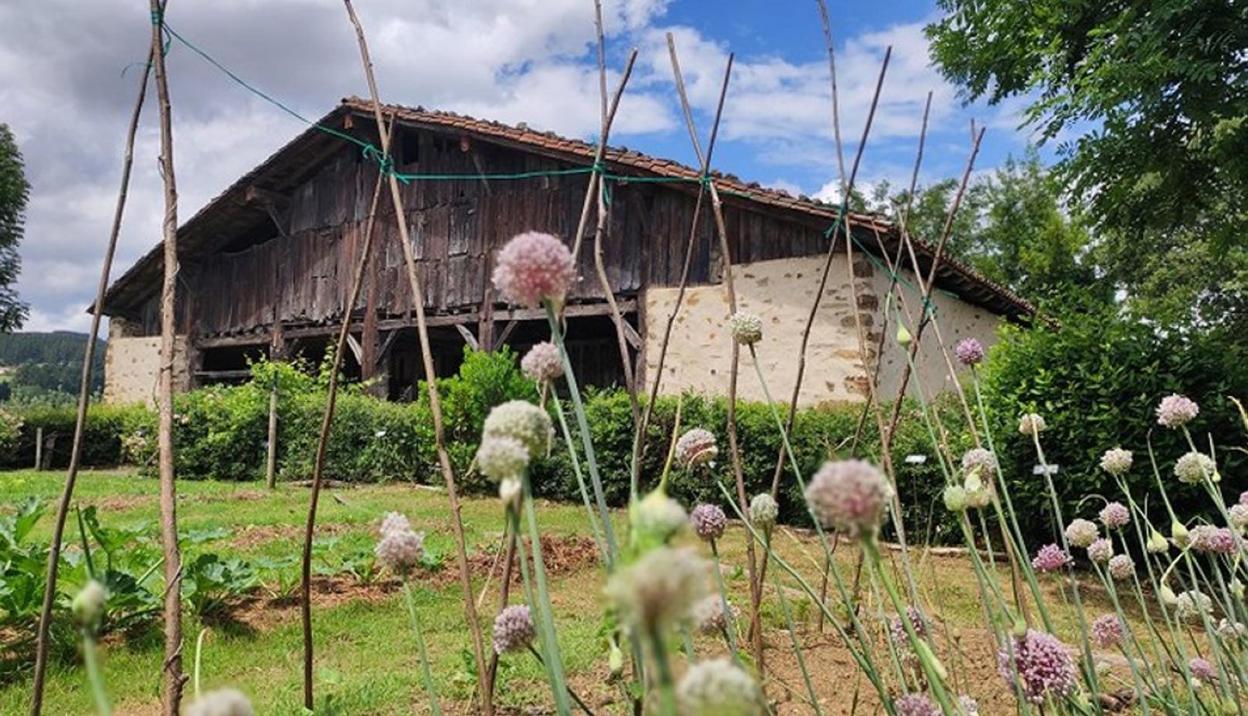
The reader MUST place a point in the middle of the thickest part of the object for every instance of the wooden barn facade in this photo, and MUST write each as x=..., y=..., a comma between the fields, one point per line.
x=265, y=267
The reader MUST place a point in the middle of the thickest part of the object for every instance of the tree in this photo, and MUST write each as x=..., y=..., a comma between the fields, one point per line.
x=1011, y=227
x=1149, y=102
x=14, y=191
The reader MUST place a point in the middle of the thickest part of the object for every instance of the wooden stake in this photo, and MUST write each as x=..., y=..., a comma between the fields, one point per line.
x=39, y=448
x=171, y=697
x=435, y=404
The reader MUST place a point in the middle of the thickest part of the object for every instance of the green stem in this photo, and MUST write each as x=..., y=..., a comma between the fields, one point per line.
x=667, y=686
x=94, y=676
x=550, y=640
x=729, y=622
x=425, y=672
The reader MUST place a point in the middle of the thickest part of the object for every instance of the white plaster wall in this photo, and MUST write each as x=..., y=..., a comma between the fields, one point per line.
x=781, y=292
x=132, y=367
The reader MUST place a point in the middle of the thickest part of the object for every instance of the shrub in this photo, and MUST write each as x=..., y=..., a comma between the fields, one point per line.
x=1097, y=380
x=102, y=442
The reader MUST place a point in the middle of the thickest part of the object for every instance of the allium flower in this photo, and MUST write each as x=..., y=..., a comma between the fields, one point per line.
x=1050, y=558
x=394, y=522
x=955, y=498
x=898, y=629
x=88, y=604
x=764, y=511
x=1031, y=423
x=1176, y=411
x=510, y=490
x=696, y=447
x=850, y=496
x=400, y=550
x=1121, y=567
x=1243, y=498
x=1039, y=665
x=1115, y=515
x=221, y=702
x=657, y=517
x=533, y=267
x=1116, y=461
x=520, y=420
x=1107, y=631
x=660, y=588
x=1238, y=517
x=1202, y=670
x=1081, y=532
x=1216, y=540
x=513, y=629
x=499, y=458
x=717, y=687
x=978, y=495
x=1156, y=543
x=969, y=351
x=915, y=705
x=1194, y=467
x=542, y=363
x=1232, y=631
x=747, y=328
x=708, y=614
x=968, y=705
x=708, y=521
x=1192, y=605
x=979, y=462
x=1101, y=550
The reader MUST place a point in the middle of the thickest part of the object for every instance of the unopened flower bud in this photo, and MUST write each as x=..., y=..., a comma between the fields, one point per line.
x=1168, y=596
x=88, y=604
x=903, y=336
x=1179, y=534
x=1157, y=543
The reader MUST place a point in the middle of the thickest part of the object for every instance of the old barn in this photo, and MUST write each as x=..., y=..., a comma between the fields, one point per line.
x=265, y=267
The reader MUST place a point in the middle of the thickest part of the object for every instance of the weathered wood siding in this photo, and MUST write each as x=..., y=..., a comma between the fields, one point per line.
x=303, y=277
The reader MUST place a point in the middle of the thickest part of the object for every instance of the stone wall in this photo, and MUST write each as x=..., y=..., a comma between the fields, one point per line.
x=781, y=292
x=132, y=365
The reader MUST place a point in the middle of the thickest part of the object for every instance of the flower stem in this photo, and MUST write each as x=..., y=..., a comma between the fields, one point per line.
x=425, y=672
x=94, y=676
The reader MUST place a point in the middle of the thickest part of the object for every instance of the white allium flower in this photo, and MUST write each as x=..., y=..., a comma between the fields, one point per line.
x=1030, y=424
x=659, y=516
x=708, y=614
x=717, y=687
x=502, y=457
x=1176, y=411
x=1194, y=467
x=510, y=490
x=968, y=705
x=1081, y=532
x=88, y=604
x=521, y=420
x=400, y=551
x=1121, y=567
x=1116, y=461
x=542, y=363
x=979, y=462
x=1239, y=517
x=1192, y=605
x=221, y=702
x=513, y=629
x=660, y=588
x=1101, y=550
x=696, y=447
x=1232, y=631
x=747, y=328
x=394, y=522
x=764, y=511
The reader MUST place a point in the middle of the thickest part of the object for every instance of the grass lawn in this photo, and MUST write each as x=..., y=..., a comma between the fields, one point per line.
x=366, y=658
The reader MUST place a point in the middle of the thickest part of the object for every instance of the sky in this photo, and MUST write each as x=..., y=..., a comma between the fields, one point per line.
x=69, y=73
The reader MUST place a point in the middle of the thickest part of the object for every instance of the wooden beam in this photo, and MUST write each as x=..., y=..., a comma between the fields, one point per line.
x=223, y=374
x=357, y=350
x=470, y=339
x=502, y=337
x=631, y=335
x=386, y=345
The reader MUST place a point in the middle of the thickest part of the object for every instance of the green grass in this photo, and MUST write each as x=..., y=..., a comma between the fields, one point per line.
x=366, y=657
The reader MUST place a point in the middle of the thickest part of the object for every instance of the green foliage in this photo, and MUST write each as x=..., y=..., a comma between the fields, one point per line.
x=1097, y=381
x=1153, y=97
x=14, y=192
x=106, y=427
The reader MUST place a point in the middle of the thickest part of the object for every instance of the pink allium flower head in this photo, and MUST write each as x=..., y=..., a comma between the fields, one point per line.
x=533, y=267
x=513, y=629
x=542, y=363
x=1081, y=532
x=1216, y=540
x=696, y=447
x=1238, y=517
x=709, y=616
x=221, y=702
x=393, y=522
x=969, y=351
x=1115, y=515
x=400, y=550
x=1039, y=665
x=1050, y=558
x=1121, y=567
x=1101, y=550
x=1116, y=461
x=980, y=462
x=1107, y=631
x=898, y=629
x=968, y=705
x=708, y=521
x=1176, y=411
x=850, y=496
x=915, y=705
x=1202, y=670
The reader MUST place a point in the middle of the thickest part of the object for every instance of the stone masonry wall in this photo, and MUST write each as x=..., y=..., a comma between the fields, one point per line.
x=132, y=365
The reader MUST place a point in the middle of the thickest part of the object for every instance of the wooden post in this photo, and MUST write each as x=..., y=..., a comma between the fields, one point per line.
x=39, y=448
x=276, y=352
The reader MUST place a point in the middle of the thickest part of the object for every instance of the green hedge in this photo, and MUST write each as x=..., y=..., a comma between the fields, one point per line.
x=107, y=426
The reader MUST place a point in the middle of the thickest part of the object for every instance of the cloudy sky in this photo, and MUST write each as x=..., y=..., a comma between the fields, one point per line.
x=68, y=77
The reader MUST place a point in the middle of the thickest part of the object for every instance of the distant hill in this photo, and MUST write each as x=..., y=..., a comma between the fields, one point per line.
x=38, y=366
